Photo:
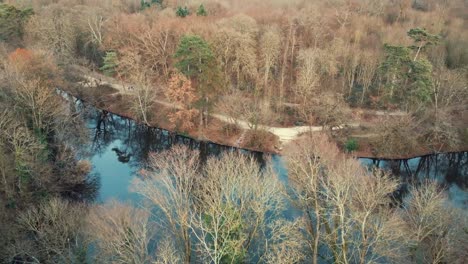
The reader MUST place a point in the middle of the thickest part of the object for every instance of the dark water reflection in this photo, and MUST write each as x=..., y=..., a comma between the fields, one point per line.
x=450, y=170
x=120, y=148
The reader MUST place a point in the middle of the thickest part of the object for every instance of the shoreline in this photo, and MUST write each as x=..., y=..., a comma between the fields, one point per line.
x=108, y=110
x=411, y=156
x=406, y=157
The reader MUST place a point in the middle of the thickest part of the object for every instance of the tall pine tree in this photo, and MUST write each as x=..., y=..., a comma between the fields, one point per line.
x=196, y=60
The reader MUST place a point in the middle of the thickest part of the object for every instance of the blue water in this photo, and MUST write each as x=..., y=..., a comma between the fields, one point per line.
x=115, y=176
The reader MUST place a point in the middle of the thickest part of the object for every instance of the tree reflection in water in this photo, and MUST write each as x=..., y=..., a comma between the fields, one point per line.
x=450, y=170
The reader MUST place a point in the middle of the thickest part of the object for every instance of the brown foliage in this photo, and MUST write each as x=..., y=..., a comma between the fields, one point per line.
x=154, y=41
x=396, y=136
x=257, y=139
x=181, y=92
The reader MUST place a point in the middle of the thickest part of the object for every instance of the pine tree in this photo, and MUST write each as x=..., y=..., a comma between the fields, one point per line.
x=193, y=55
x=195, y=60
x=202, y=11
x=12, y=21
x=408, y=77
x=110, y=63
x=422, y=39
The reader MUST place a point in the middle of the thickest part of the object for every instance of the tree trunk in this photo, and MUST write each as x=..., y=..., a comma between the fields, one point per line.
x=283, y=67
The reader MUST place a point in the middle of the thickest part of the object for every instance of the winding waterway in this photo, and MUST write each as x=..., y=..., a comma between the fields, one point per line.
x=119, y=148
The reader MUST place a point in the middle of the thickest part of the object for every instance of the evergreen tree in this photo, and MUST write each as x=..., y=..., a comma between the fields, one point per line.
x=202, y=11
x=422, y=39
x=110, y=63
x=12, y=21
x=420, y=78
x=407, y=76
x=193, y=55
x=394, y=68
x=195, y=60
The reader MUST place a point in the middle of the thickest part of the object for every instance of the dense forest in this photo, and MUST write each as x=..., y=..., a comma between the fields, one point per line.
x=361, y=77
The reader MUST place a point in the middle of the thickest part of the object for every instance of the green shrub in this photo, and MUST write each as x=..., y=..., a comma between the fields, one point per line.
x=351, y=145
x=202, y=11
x=182, y=11
x=144, y=4
x=11, y=203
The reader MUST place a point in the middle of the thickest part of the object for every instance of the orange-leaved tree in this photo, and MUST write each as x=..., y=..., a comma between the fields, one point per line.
x=183, y=94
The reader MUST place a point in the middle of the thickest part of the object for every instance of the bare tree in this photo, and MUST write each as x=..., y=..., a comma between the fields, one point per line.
x=287, y=55
x=343, y=12
x=235, y=44
x=24, y=150
x=40, y=100
x=308, y=79
x=224, y=211
x=121, y=233
x=350, y=65
x=170, y=188
x=167, y=254
x=95, y=21
x=396, y=136
x=155, y=39
x=449, y=88
x=143, y=92
x=54, y=30
x=270, y=44
x=55, y=227
x=285, y=244
x=343, y=219
x=231, y=105
x=31, y=77
x=366, y=72
x=434, y=227
x=237, y=201
x=313, y=25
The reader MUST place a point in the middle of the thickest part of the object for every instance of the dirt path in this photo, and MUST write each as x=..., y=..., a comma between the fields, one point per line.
x=285, y=134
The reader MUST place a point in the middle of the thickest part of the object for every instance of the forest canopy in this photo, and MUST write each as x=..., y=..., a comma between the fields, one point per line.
x=319, y=82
